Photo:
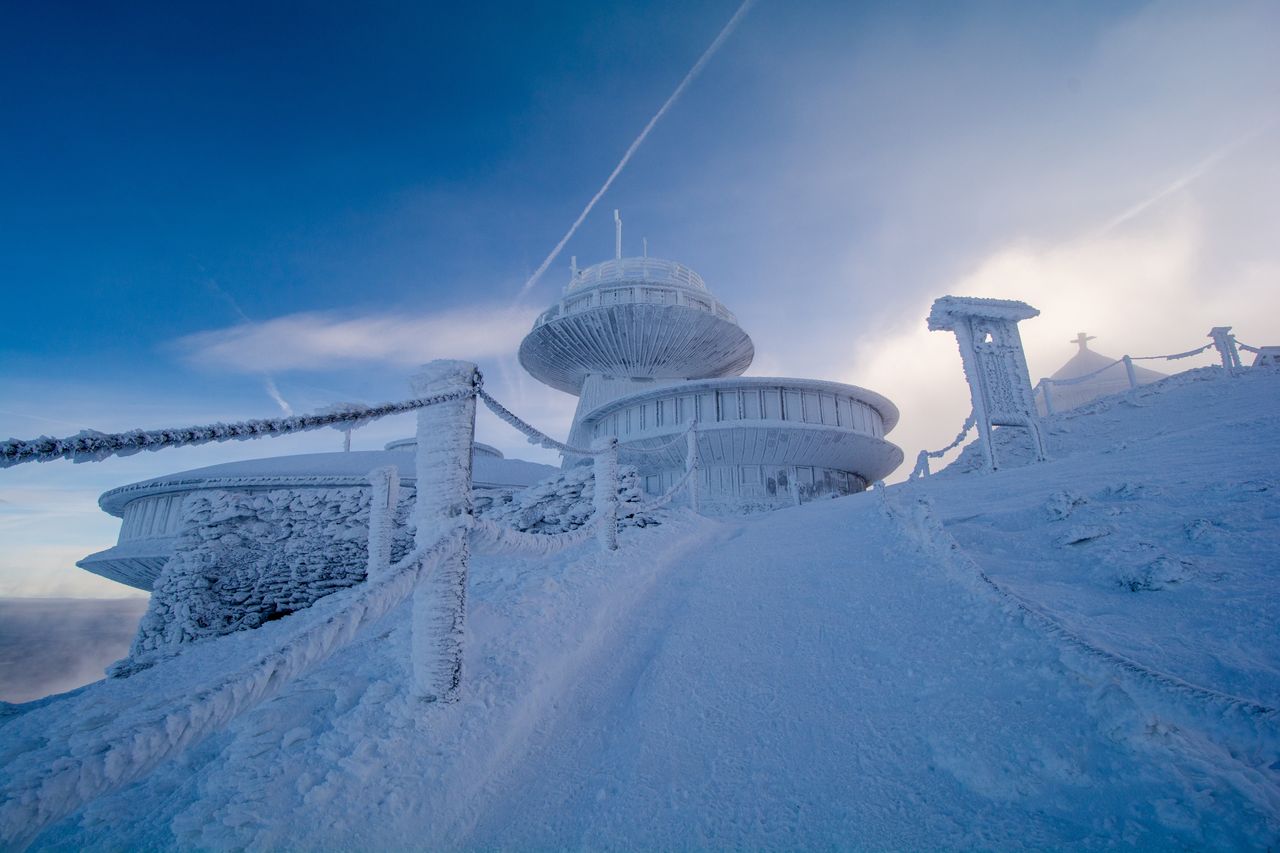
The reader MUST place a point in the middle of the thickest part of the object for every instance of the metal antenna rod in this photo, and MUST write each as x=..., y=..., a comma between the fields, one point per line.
x=617, y=235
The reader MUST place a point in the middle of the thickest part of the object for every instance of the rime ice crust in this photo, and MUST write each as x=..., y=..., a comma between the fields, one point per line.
x=151, y=510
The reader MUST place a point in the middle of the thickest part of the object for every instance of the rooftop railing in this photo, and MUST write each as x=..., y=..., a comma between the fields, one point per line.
x=636, y=269
x=648, y=293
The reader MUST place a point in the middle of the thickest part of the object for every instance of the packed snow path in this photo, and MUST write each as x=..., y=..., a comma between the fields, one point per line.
x=899, y=710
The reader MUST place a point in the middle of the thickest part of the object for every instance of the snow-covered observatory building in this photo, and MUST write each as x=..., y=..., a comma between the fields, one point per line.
x=647, y=348
x=151, y=511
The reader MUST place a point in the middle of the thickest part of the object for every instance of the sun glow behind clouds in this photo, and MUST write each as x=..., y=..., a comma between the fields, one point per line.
x=1139, y=290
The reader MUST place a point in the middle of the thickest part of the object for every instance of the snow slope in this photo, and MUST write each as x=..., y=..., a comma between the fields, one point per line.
x=838, y=674
x=1155, y=530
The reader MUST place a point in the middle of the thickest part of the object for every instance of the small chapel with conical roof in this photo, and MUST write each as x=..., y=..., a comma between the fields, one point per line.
x=1109, y=377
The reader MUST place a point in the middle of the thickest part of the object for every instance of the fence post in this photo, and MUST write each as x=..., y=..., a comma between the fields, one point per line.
x=446, y=433
x=1045, y=385
x=922, y=465
x=384, y=494
x=605, y=467
x=1225, y=343
x=1128, y=369
x=691, y=466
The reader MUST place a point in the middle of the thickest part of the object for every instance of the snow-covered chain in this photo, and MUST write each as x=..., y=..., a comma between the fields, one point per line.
x=1173, y=357
x=922, y=461
x=93, y=446
x=108, y=760
x=535, y=435
x=1076, y=380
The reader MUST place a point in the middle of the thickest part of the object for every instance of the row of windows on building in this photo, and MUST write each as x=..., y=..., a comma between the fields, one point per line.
x=777, y=404
x=148, y=517
x=764, y=481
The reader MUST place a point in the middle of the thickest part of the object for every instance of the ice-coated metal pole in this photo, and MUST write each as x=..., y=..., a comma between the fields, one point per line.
x=384, y=494
x=446, y=433
x=1045, y=385
x=691, y=466
x=1225, y=343
x=605, y=501
x=1128, y=369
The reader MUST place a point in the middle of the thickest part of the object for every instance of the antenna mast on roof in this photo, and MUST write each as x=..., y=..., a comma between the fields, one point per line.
x=617, y=235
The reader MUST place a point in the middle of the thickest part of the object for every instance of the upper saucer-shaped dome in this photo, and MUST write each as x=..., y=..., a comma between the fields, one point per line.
x=638, y=318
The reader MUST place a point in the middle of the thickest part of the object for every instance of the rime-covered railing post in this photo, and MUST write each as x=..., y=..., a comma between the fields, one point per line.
x=691, y=466
x=1128, y=371
x=384, y=494
x=1225, y=343
x=606, y=492
x=446, y=433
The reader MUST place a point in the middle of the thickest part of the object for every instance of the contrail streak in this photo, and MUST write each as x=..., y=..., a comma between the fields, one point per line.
x=268, y=384
x=1198, y=171
x=274, y=392
x=688, y=78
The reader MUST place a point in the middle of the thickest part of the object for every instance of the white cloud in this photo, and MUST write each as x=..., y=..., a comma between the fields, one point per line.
x=1139, y=291
x=316, y=340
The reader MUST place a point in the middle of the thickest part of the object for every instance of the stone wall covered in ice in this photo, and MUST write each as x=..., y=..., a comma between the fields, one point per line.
x=245, y=558
x=564, y=502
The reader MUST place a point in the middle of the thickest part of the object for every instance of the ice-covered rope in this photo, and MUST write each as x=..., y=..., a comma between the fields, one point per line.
x=44, y=785
x=93, y=446
x=1076, y=380
x=535, y=435
x=669, y=495
x=666, y=445
x=922, y=461
x=1173, y=357
x=494, y=538
x=1248, y=348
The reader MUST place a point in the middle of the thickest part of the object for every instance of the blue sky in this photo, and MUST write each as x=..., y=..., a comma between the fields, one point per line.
x=200, y=201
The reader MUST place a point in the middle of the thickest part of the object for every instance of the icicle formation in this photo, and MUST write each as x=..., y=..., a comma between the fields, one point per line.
x=92, y=446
